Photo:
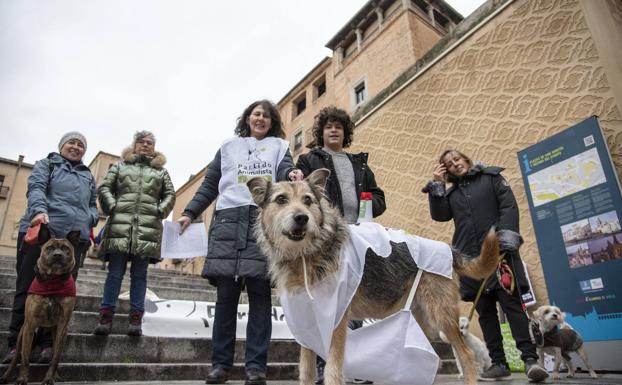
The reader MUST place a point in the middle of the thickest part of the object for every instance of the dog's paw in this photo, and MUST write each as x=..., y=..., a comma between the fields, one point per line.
x=21, y=381
x=48, y=381
x=556, y=376
x=593, y=375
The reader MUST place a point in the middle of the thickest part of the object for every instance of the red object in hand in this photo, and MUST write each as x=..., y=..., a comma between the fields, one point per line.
x=365, y=196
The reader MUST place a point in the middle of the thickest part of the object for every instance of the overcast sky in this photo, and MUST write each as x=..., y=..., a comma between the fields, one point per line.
x=184, y=69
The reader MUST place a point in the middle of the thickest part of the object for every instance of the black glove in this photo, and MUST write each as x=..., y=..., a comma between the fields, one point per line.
x=509, y=240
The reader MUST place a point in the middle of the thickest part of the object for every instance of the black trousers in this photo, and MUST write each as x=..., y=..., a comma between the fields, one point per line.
x=27, y=256
x=519, y=324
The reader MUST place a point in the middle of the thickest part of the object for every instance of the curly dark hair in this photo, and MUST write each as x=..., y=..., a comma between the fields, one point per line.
x=336, y=115
x=243, y=130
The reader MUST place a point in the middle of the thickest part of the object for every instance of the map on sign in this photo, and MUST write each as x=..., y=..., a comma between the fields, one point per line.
x=572, y=175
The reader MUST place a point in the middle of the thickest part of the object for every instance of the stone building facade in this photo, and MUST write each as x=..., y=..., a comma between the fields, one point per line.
x=377, y=44
x=528, y=70
x=13, y=185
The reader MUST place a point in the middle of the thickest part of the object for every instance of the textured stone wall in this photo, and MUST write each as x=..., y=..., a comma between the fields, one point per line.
x=529, y=73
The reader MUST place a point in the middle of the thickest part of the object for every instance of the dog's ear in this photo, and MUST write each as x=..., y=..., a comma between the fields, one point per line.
x=317, y=179
x=259, y=188
x=74, y=238
x=538, y=312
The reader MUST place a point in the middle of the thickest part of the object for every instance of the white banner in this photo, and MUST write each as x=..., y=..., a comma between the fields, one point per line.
x=195, y=319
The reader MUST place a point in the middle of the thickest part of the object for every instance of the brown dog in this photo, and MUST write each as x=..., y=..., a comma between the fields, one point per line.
x=297, y=225
x=51, y=307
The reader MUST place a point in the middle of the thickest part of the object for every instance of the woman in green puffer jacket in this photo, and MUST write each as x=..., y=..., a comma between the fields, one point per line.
x=136, y=194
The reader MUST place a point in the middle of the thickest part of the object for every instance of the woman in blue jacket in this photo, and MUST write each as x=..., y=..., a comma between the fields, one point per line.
x=62, y=195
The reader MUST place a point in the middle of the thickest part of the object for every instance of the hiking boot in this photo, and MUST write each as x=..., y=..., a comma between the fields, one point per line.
x=105, y=322
x=45, y=357
x=218, y=375
x=497, y=372
x=10, y=355
x=255, y=376
x=136, y=322
x=535, y=372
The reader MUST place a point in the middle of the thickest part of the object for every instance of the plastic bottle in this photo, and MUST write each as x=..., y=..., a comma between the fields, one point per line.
x=365, y=209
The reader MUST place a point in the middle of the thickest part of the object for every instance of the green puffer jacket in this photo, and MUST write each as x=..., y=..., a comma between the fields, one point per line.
x=136, y=194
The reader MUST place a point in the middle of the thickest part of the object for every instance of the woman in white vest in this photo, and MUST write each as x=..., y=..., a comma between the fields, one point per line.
x=234, y=260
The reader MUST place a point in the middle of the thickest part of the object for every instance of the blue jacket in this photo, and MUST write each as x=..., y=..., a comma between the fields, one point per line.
x=67, y=195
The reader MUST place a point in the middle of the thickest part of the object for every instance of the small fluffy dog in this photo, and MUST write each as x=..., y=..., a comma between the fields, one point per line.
x=296, y=223
x=559, y=340
x=54, y=310
x=482, y=358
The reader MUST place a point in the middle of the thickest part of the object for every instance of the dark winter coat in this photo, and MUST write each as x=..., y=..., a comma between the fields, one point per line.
x=67, y=193
x=136, y=194
x=363, y=177
x=232, y=247
x=476, y=202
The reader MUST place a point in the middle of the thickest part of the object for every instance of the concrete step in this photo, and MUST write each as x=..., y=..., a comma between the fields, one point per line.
x=9, y=267
x=149, y=372
x=81, y=322
x=96, y=288
x=100, y=276
x=125, y=349
x=84, y=303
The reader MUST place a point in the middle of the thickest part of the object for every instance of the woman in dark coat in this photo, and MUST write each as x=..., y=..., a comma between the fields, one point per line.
x=233, y=257
x=136, y=194
x=478, y=199
x=62, y=196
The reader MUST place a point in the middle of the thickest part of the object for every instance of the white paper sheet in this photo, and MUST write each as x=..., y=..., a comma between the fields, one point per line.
x=192, y=243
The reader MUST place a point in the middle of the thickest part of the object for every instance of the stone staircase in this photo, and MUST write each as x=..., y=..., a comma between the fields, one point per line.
x=92, y=358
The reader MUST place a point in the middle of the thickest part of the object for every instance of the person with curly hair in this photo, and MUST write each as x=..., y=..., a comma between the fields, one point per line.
x=349, y=175
x=233, y=259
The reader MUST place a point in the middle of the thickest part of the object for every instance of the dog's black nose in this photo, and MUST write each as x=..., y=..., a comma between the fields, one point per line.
x=301, y=219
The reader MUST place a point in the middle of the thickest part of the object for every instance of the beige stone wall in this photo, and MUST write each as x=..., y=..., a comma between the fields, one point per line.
x=304, y=121
x=529, y=73
x=15, y=210
x=404, y=38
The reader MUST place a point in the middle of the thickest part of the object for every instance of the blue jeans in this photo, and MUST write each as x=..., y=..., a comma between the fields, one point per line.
x=258, y=328
x=117, y=263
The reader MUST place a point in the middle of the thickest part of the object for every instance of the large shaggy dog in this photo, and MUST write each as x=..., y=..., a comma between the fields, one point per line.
x=296, y=223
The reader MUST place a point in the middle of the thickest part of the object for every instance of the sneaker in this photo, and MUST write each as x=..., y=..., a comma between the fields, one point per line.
x=535, y=372
x=9, y=356
x=497, y=372
x=46, y=356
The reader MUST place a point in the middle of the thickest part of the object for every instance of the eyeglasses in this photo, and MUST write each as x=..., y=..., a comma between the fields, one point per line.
x=145, y=142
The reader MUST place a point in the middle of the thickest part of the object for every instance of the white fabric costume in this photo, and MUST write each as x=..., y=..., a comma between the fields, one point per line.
x=391, y=351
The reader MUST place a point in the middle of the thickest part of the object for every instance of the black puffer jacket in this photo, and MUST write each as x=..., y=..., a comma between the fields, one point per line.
x=232, y=247
x=363, y=177
x=476, y=202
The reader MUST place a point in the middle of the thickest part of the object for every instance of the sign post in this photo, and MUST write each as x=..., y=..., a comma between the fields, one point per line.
x=576, y=206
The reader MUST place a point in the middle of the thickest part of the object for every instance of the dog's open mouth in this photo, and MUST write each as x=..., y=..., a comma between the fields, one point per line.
x=295, y=235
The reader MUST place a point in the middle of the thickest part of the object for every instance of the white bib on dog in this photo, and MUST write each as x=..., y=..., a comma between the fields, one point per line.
x=397, y=339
